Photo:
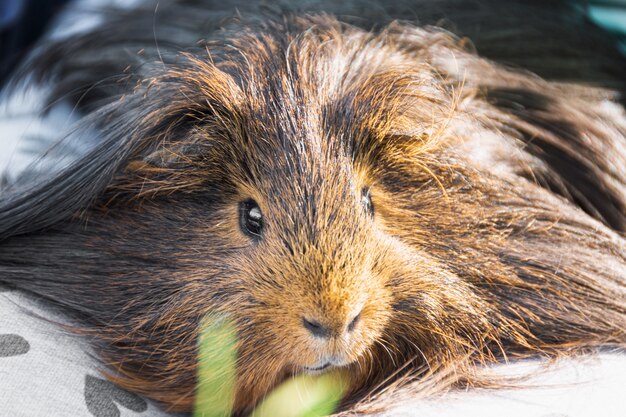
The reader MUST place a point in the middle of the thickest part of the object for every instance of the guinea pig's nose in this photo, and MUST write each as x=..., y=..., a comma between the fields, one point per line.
x=317, y=329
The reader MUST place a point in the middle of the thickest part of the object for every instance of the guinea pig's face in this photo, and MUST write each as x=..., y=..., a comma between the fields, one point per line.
x=315, y=268
x=311, y=263
x=304, y=176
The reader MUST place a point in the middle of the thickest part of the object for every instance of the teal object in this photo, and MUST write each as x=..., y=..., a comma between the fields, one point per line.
x=610, y=15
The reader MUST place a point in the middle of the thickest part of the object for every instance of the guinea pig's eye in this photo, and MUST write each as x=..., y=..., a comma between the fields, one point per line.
x=250, y=218
x=366, y=200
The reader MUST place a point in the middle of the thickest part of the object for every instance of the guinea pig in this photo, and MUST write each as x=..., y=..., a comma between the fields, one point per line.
x=354, y=193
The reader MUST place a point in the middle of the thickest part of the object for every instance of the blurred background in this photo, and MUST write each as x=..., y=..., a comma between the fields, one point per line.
x=22, y=22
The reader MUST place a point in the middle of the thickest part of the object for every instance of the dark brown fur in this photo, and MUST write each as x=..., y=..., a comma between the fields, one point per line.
x=499, y=206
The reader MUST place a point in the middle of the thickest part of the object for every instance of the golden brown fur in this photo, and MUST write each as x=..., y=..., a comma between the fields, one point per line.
x=498, y=207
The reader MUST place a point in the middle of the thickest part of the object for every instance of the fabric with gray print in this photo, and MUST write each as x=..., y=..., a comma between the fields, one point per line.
x=46, y=371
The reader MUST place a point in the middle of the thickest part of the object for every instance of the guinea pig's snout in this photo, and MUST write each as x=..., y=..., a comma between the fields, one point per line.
x=326, y=331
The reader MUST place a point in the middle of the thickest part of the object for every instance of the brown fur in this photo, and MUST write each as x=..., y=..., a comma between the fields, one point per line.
x=499, y=202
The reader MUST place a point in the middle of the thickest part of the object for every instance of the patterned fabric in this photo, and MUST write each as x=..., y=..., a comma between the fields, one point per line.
x=46, y=371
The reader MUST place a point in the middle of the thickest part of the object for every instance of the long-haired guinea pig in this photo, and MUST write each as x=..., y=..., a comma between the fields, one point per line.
x=354, y=193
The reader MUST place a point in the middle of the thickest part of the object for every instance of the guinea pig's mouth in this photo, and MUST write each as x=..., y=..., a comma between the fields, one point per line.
x=320, y=368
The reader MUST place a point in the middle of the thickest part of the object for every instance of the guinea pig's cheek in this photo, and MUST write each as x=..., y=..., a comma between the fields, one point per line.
x=361, y=344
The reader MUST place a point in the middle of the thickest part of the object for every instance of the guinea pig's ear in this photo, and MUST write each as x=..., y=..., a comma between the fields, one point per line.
x=402, y=113
x=131, y=129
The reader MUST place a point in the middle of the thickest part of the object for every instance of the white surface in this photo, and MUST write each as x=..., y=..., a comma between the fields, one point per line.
x=585, y=387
